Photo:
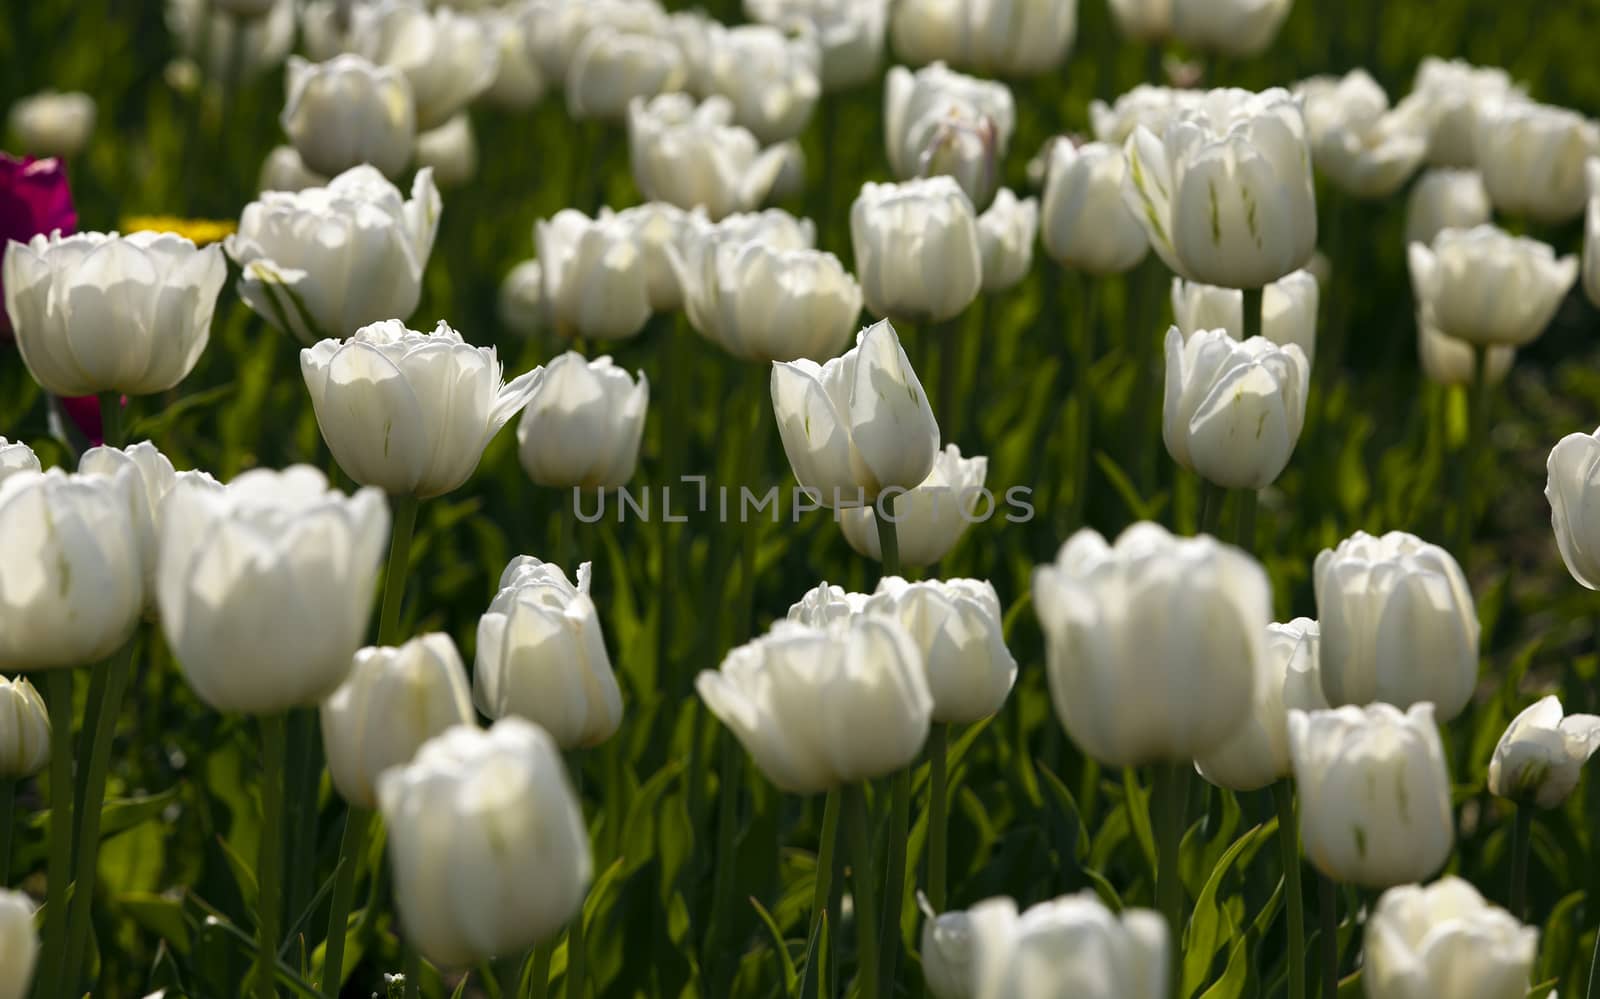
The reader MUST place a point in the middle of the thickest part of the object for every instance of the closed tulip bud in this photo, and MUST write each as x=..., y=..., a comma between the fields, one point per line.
x=1538, y=759
x=1225, y=193
x=857, y=425
x=74, y=575
x=450, y=151
x=153, y=480
x=849, y=32
x=1573, y=491
x=946, y=952
x=395, y=700
x=1143, y=20
x=955, y=624
x=410, y=412
x=1446, y=96
x=929, y=519
x=596, y=283
x=556, y=28
x=1087, y=225
x=53, y=124
x=1398, y=624
x=1448, y=361
x=1151, y=106
x=1233, y=410
x=238, y=563
x=612, y=68
x=583, y=424
x=817, y=707
x=1231, y=27
x=694, y=157
x=1532, y=157
x=916, y=249
x=518, y=81
x=345, y=112
x=1445, y=198
x=1488, y=287
x=520, y=304
x=541, y=656
x=937, y=121
x=487, y=843
x=1356, y=141
x=16, y=456
x=1069, y=946
x=1445, y=940
x=284, y=170
x=447, y=57
x=771, y=79
x=326, y=261
x=1258, y=753
x=24, y=730
x=224, y=46
x=99, y=312
x=1591, y=235
x=1006, y=231
x=1024, y=38
x=19, y=944
x=1374, y=791
x=823, y=604
x=1288, y=310
x=764, y=304
x=1154, y=643
x=658, y=230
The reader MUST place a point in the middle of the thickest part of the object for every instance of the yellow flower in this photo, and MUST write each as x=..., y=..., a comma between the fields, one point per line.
x=200, y=231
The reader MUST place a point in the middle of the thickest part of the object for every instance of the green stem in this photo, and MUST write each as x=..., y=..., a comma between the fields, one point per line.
x=894, y=888
x=58, y=695
x=394, y=579
x=948, y=335
x=727, y=819
x=1477, y=441
x=1244, y=524
x=1083, y=356
x=1212, y=497
x=539, y=974
x=1594, y=963
x=111, y=429
x=577, y=955
x=269, y=870
x=1328, y=909
x=888, y=535
x=866, y=906
x=8, y=803
x=116, y=670
x=411, y=968
x=825, y=852
x=938, y=813
x=1294, y=904
x=1521, y=847
x=1251, y=319
x=1171, y=787
x=352, y=847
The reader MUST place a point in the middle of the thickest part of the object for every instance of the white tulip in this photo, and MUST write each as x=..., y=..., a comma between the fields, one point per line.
x=19, y=944
x=216, y=43
x=24, y=731
x=265, y=585
x=520, y=304
x=16, y=456
x=541, y=656
x=1012, y=37
x=347, y=111
x=582, y=427
x=72, y=589
x=1087, y=225
x=859, y=424
x=99, y=312
x=410, y=412
x=1258, y=753
x=450, y=151
x=1445, y=198
x=1446, y=96
x=946, y=952
x=1154, y=644
x=931, y=518
x=1006, y=231
x=1573, y=491
x=850, y=34
x=1288, y=310
x=1231, y=27
x=611, y=69
x=395, y=700
x=1448, y=361
x=1153, y=107
x=51, y=123
x=821, y=707
x=936, y=121
x=1143, y=20
x=1540, y=756
x=1490, y=288
x=916, y=249
x=153, y=480
x=1068, y=946
x=556, y=28
x=1532, y=157
x=658, y=230
x=791, y=182
x=1591, y=234
x=284, y=170
x=487, y=843
x=823, y=604
x=518, y=81
x=773, y=80
x=1398, y=624
x=693, y=156
x=955, y=624
x=326, y=261
x=449, y=58
x=1362, y=146
x=1445, y=940
x=764, y=304
x=774, y=227
x=596, y=283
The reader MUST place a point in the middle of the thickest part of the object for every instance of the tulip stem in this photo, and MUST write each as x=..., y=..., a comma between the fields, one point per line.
x=1171, y=793
x=1294, y=903
x=1212, y=498
x=1328, y=904
x=58, y=695
x=1244, y=524
x=1594, y=963
x=8, y=802
x=866, y=907
x=115, y=670
x=1251, y=318
x=826, y=847
x=352, y=847
x=538, y=983
x=938, y=813
x=411, y=969
x=1521, y=847
x=1478, y=431
x=894, y=888
x=394, y=580
x=269, y=869
x=888, y=534
x=1082, y=350
x=111, y=430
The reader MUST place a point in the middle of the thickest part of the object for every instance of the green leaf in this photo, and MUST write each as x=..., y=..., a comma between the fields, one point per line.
x=1206, y=934
x=791, y=978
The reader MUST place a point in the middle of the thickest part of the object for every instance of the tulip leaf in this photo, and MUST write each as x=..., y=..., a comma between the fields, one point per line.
x=1138, y=800
x=1232, y=983
x=791, y=978
x=1205, y=934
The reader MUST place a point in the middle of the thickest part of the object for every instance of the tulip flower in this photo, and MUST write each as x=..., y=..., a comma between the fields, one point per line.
x=447, y=57
x=520, y=304
x=955, y=624
x=1068, y=946
x=450, y=151
x=326, y=261
x=1445, y=940
x=931, y=518
x=410, y=412
x=1023, y=38
x=1143, y=21
x=1258, y=753
x=34, y=199
x=100, y=312
x=946, y=952
x=849, y=34
x=1225, y=193
x=774, y=226
x=1538, y=759
x=16, y=456
x=611, y=69
x=1374, y=792
x=73, y=586
x=1445, y=198
x=232, y=48
x=154, y=480
x=764, y=304
x=541, y=656
x=1006, y=232
x=1591, y=234
x=24, y=733
x=1448, y=361
x=659, y=232
x=50, y=123
x=771, y=79
x=1573, y=491
x=1232, y=27
x=518, y=81
x=284, y=170
x=19, y=944
x=279, y=628
x=1488, y=287
x=1532, y=157
x=1233, y=409
x=823, y=604
x=1398, y=624
x=1362, y=146
x=820, y=707
x=556, y=28
x=346, y=112
x=1446, y=96
x=857, y=425
x=1153, y=107
x=1288, y=310
x=1087, y=226
x=583, y=424
x=595, y=279
x=937, y=121
x=394, y=701
x=1154, y=643
x=487, y=843
x=691, y=155
x=916, y=249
